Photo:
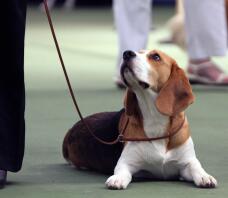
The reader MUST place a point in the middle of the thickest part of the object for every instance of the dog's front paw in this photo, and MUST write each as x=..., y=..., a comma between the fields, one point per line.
x=117, y=182
x=205, y=181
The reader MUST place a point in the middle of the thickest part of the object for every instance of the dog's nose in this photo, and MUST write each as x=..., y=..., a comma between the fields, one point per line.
x=127, y=55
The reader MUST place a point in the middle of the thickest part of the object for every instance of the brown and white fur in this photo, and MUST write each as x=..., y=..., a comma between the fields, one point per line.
x=158, y=92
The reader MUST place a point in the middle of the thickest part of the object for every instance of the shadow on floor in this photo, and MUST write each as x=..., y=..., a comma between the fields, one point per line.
x=67, y=174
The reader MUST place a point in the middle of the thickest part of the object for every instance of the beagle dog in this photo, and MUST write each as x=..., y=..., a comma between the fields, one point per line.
x=157, y=94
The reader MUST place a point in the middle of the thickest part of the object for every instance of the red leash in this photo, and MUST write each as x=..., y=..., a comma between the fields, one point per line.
x=68, y=80
x=120, y=137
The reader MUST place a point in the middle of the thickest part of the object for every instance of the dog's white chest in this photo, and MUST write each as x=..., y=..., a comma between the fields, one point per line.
x=156, y=159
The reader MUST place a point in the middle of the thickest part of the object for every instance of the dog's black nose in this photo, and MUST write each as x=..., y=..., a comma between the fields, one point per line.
x=127, y=55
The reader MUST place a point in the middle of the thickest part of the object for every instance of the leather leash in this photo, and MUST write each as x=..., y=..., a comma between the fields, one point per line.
x=169, y=134
x=120, y=137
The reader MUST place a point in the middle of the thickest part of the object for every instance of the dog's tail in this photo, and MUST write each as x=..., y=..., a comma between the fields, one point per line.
x=65, y=150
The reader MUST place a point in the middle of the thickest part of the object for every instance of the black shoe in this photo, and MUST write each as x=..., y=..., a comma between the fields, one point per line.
x=3, y=176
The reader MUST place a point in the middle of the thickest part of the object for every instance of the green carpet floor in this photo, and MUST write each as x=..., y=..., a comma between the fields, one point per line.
x=89, y=45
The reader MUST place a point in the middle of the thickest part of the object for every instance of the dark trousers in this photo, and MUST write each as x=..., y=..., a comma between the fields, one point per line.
x=12, y=91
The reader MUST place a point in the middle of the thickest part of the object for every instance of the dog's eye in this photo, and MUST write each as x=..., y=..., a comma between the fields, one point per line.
x=155, y=57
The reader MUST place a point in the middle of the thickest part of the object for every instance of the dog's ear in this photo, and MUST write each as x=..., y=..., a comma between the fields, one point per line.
x=130, y=103
x=176, y=94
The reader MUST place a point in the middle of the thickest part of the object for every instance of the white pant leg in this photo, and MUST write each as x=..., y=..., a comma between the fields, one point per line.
x=206, y=30
x=132, y=21
x=51, y=3
x=69, y=3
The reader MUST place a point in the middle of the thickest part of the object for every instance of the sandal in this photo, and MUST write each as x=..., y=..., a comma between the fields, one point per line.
x=206, y=73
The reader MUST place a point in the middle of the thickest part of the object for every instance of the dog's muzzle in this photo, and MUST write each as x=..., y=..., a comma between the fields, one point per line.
x=127, y=66
x=128, y=55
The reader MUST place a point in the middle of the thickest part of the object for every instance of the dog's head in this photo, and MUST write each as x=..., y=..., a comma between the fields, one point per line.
x=147, y=71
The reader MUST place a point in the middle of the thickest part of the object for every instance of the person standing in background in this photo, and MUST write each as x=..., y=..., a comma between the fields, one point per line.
x=206, y=33
x=133, y=21
x=12, y=89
